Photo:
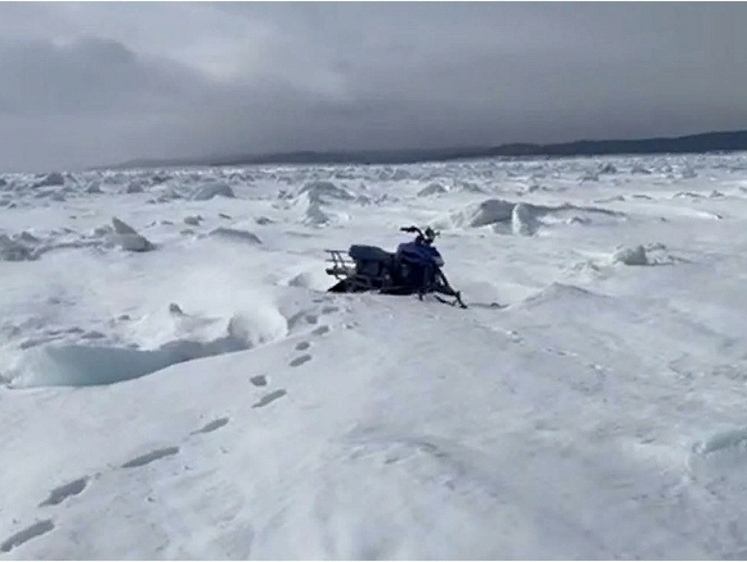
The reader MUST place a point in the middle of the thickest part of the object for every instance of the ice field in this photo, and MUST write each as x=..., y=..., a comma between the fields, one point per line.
x=176, y=383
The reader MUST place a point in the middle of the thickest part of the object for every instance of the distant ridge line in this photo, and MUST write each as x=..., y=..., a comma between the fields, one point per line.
x=727, y=141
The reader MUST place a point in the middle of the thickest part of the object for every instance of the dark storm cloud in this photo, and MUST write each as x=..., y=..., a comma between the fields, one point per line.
x=89, y=83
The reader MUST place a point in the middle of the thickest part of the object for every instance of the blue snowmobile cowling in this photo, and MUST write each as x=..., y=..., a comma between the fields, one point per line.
x=420, y=253
x=415, y=268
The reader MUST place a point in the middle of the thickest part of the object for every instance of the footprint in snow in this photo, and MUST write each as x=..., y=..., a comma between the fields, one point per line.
x=259, y=380
x=330, y=309
x=36, y=530
x=301, y=346
x=212, y=426
x=268, y=398
x=312, y=318
x=300, y=360
x=320, y=331
x=150, y=457
x=61, y=493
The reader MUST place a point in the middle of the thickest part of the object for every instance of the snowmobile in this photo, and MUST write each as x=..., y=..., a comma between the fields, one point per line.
x=415, y=268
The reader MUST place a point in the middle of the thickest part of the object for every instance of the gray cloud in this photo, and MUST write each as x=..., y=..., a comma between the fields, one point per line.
x=83, y=84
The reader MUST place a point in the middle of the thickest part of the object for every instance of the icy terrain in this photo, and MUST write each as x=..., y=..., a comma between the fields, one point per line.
x=177, y=384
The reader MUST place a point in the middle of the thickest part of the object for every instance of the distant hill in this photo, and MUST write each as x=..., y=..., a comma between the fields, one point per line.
x=700, y=143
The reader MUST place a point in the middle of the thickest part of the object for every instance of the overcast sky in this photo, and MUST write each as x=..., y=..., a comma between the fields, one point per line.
x=93, y=83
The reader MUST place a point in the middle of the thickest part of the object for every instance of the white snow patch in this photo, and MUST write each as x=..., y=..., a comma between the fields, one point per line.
x=235, y=235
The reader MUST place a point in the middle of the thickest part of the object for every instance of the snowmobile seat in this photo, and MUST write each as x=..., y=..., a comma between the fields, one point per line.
x=361, y=253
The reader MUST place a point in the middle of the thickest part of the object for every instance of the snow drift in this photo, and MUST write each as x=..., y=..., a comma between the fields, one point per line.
x=525, y=218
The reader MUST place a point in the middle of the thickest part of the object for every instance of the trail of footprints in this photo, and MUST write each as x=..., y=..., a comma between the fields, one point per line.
x=64, y=492
x=319, y=331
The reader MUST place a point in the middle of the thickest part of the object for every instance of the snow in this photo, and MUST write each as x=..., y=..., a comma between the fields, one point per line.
x=53, y=179
x=208, y=399
x=219, y=189
x=432, y=189
x=236, y=234
x=129, y=238
x=632, y=256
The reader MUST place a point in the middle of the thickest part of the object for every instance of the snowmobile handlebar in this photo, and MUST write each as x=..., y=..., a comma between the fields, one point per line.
x=428, y=235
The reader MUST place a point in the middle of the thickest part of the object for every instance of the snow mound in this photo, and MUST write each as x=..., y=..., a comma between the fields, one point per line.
x=524, y=218
x=720, y=457
x=128, y=238
x=28, y=247
x=167, y=195
x=324, y=191
x=490, y=212
x=684, y=194
x=639, y=169
x=316, y=280
x=88, y=365
x=649, y=254
x=159, y=179
x=211, y=190
x=50, y=194
x=560, y=291
x=315, y=196
x=721, y=441
x=14, y=250
x=432, y=189
x=77, y=365
x=613, y=199
x=258, y=326
x=631, y=256
x=235, y=235
x=566, y=298
x=689, y=173
x=54, y=179
x=468, y=187
x=315, y=216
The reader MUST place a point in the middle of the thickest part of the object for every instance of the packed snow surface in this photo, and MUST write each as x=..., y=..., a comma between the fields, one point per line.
x=176, y=383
